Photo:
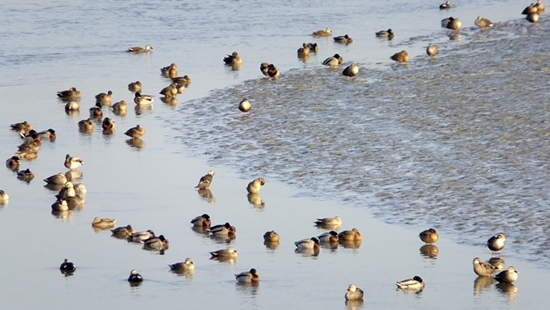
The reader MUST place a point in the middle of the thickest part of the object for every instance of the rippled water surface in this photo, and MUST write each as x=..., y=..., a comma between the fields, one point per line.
x=458, y=143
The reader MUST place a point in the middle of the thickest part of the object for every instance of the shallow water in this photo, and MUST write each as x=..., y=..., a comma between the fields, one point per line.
x=152, y=187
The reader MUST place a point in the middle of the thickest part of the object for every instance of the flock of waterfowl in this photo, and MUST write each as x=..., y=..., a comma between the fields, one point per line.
x=71, y=196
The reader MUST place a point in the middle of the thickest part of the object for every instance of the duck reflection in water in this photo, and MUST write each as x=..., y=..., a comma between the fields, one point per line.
x=481, y=284
x=255, y=200
x=508, y=289
x=207, y=195
x=354, y=304
x=136, y=143
x=497, y=262
x=429, y=251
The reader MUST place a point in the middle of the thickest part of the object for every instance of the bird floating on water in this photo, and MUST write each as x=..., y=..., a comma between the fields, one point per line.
x=322, y=33
x=139, y=50
x=414, y=284
x=354, y=293
x=255, y=186
x=429, y=236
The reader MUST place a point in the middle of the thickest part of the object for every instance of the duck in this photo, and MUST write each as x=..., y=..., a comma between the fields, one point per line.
x=540, y=6
x=350, y=235
x=72, y=106
x=103, y=223
x=445, y=6
x=67, y=266
x=96, y=110
x=303, y=51
x=429, y=236
x=322, y=33
x=170, y=71
x=329, y=221
x=507, y=276
x=229, y=253
x=414, y=284
x=66, y=191
x=25, y=175
x=307, y=244
x=135, y=86
x=73, y=163
x=264, y=66
x=351, y=70
x=4, y=197
x=108, y=124
x=402, y=56
x=187, y=265
x=273, y=72
x=330, y=236
x=123, y=232
x=532, y=8
x=120, y=106
x=354, y=293
x=170, y=90
x=47, y=134
x=245, y=106
x=333, y=61
x=31, y=136
x=248, y=276
x=202, y=221
x=135, y=132
x=156, y=243
x=533, y=17
x=141, y=236
x=139, y=50
x=483, y=269
x=135, y=276
x=483, y=22
x=31, y=147
x=12, y=163
x=345, y=39
x=385, y=34
x=140, y=99
x=22, y=127
x=451, y=23
x=71, y=93
x=223, y=229
x=86, y=125
x=313, y=47
x=56, y=179
x=255, y=186
x=206, y=180
x=233, y=59
x=432, y=50
x=496, y=243
x=104, y=98
x=271, y=236
x=74, y=202
x=60, y=205
x=182, y=80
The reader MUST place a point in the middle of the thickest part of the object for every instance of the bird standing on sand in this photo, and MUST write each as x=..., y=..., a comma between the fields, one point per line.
x=255, y=186
x=333, y=61
x=483, y=269
x=135, y=132
x=351, y=70
x=400, y=57
x=483, y=22
x=354, y=293
x=432, y=50
x=429, y=236
x=496, y=243
x=206, y=180
x=245, y=105
x=507, y=276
